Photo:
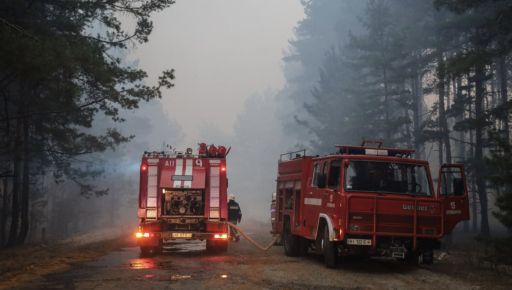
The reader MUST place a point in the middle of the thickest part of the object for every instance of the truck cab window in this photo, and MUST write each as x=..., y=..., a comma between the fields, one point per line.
x=334, y=174
x=452, y=183
x=316, y=173
x=387, y=177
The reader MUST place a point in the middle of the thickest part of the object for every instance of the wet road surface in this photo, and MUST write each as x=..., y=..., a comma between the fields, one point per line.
x=186, y=265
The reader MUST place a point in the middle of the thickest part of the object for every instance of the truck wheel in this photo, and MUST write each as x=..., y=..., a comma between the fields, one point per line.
x=150, y=251
x=412, y=258
x=222, y=246
x=210, y=247
x=158, y=249
x=428, y=257
x=330, y=250
x=303, y=246
x=216, y=246
x=290, y=242
x=145, y=251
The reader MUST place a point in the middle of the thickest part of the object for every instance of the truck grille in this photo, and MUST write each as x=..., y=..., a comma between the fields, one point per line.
x=399, y=224
x=393, y=215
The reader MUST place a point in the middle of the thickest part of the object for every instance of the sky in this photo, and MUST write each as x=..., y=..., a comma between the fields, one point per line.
x=223, y=51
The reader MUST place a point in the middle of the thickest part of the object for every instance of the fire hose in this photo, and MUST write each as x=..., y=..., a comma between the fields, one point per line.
x=256, y=244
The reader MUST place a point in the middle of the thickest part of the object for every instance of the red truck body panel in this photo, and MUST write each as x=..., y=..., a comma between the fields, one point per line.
x=358, y=214
x=182, y=196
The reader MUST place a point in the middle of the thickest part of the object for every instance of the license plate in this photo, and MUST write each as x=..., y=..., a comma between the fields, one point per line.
x=359, y=242
x=181, y=235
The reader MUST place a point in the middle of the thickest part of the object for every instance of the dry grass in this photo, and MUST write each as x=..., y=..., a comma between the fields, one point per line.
x=27, y=262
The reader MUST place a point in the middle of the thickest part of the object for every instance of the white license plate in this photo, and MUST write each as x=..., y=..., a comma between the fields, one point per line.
x=359, y=242
x=181, y=235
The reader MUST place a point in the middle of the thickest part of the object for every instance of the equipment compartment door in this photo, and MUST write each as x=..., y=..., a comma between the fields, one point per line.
x=453, y=192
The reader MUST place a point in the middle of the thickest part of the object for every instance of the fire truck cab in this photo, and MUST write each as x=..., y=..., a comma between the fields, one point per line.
x=366, y=200
x=183, y=196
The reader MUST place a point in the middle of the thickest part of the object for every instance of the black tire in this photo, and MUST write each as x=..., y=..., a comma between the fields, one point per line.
x=303, y=246
x=330, y=250
x=290, y=242
x=159, y=249
x=222, y=246
x=210, y=247
x=150, y=251
x=213, y=246
x=428, y=257
x=412, y=258
x=145, y=251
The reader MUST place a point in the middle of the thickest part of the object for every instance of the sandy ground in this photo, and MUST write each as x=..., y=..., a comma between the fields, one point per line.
x=186, y=265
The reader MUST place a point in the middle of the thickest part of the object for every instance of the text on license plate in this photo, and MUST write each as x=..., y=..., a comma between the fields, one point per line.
x=359, y=242
x=181, y=235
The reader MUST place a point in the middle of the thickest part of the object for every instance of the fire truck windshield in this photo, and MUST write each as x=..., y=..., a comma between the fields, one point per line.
x=387, y=177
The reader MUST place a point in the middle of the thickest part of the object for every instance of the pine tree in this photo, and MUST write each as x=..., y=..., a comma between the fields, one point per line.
x=58, y=73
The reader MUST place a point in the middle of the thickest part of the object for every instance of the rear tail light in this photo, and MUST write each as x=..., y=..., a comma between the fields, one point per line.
x=139, y=235
x=220, y=236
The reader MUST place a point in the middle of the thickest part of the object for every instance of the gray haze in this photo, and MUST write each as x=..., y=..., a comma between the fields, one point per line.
x=228, y=59
x=223, y=52
x=244, y=70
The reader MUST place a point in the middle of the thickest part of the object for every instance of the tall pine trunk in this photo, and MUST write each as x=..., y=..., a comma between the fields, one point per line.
x=15, y=205
x=386, y=106
x=417, y=110
x=503, y=79
x=461, y=146
x=440, y=92
x=443, y=122
x=480, y=181
x=25, y=184
x=4, y=214
x=472, y=180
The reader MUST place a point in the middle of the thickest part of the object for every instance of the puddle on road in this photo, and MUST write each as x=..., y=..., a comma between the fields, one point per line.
x=138, y=264
x=219, y=259
x=177, y=277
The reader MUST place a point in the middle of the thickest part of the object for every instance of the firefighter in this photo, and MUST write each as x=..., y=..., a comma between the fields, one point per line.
x=234, y=215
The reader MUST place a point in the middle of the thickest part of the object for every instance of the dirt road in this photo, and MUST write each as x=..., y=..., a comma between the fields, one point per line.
x=188, y=266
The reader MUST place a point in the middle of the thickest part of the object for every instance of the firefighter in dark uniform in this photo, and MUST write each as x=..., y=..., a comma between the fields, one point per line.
x=234, y=215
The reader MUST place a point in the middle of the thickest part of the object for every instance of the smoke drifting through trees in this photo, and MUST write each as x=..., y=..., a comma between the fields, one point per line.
x=417, y=74
x=431, y=75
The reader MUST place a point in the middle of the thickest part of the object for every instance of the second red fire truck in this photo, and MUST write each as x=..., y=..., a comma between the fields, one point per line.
x=183, y=195
x=366, y=200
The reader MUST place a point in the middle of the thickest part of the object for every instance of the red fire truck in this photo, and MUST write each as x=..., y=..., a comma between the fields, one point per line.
x=366, y=200
x=183, y=196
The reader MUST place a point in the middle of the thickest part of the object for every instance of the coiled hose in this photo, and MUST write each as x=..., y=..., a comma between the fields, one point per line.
x=256, y=244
